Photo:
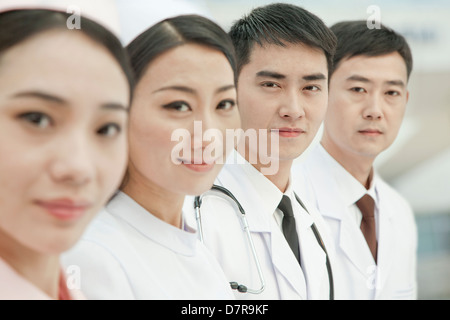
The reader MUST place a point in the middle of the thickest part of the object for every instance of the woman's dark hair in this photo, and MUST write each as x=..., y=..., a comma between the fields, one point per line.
x=278, y=24
x=17, y=26
x=174, y=32
x=355, y=38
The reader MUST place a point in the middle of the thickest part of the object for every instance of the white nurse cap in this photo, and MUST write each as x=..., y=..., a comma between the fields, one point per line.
x=103, y=12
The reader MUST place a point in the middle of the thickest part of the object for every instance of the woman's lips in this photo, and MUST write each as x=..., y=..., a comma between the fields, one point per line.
x=203, y=167
x=199, y=165
x=65, y=209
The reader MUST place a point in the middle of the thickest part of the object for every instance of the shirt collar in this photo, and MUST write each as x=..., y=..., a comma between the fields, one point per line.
x=258, y=195
x=269, y=193
x=271, y=196
x=351, y=190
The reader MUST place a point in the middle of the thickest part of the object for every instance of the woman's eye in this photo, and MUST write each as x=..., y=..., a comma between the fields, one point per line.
x=37, y=119
x=358, y=89
x=109, y=130
x=177, y=106
x=226, y=104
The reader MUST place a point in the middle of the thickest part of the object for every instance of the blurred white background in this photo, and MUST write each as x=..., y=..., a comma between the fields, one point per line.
x=418, y=163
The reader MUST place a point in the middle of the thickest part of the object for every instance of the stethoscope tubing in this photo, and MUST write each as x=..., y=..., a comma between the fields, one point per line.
x=234, y=285
x=241, y=288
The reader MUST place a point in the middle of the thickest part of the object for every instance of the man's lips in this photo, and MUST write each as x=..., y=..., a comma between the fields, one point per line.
x=289, y=132
x=370, y=132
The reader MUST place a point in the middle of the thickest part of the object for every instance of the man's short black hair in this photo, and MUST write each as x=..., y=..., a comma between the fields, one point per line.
x=355, y=38
x=280, y=23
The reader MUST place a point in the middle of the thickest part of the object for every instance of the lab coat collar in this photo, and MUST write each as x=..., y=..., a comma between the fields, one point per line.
x=386, y=241
x=351, y=241
x=323, y=167
x=124, y=208
x=302, y=217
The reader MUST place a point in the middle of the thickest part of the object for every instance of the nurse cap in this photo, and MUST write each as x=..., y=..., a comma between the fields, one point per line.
x=104, y=12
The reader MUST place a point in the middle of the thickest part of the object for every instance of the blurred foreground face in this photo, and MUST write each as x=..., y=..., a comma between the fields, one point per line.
x=184, y=92
x=367, y=101
x=63, y=118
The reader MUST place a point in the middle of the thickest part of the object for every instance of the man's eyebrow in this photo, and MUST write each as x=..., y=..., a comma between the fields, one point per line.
x=314, y=77
x=279, y=76
x=399, y=83
x=359, y=78
x=270, y=74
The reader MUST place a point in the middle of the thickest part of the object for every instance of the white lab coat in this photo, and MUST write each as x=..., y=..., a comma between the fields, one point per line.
x=320, y=179
x=127, y=253
x=224, y=236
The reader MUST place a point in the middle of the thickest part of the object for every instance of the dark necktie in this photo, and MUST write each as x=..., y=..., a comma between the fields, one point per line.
x=367, y=207
x=288, y=225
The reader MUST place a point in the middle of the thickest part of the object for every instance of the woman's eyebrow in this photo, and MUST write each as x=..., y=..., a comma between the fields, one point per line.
x=176, y=88
x=41, y=95
x=191, y=90
x=225, y=88
x=49, y=97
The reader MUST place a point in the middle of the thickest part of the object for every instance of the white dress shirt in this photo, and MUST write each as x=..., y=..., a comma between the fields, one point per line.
x=334, y=191
x=127, y=253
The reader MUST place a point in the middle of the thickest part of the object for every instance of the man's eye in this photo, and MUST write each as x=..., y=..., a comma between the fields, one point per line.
x=313, y=88
x=270, y=85
x=393, y=93
x=358, y=89
x=37, y=119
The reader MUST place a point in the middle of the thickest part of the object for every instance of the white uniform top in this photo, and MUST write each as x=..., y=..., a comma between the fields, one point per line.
x=14, y=286
x=127, y=253
x=334, y=191
x=224, y=236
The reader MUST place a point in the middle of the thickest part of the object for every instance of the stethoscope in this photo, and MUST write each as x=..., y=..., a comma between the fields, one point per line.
x=240, y=287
